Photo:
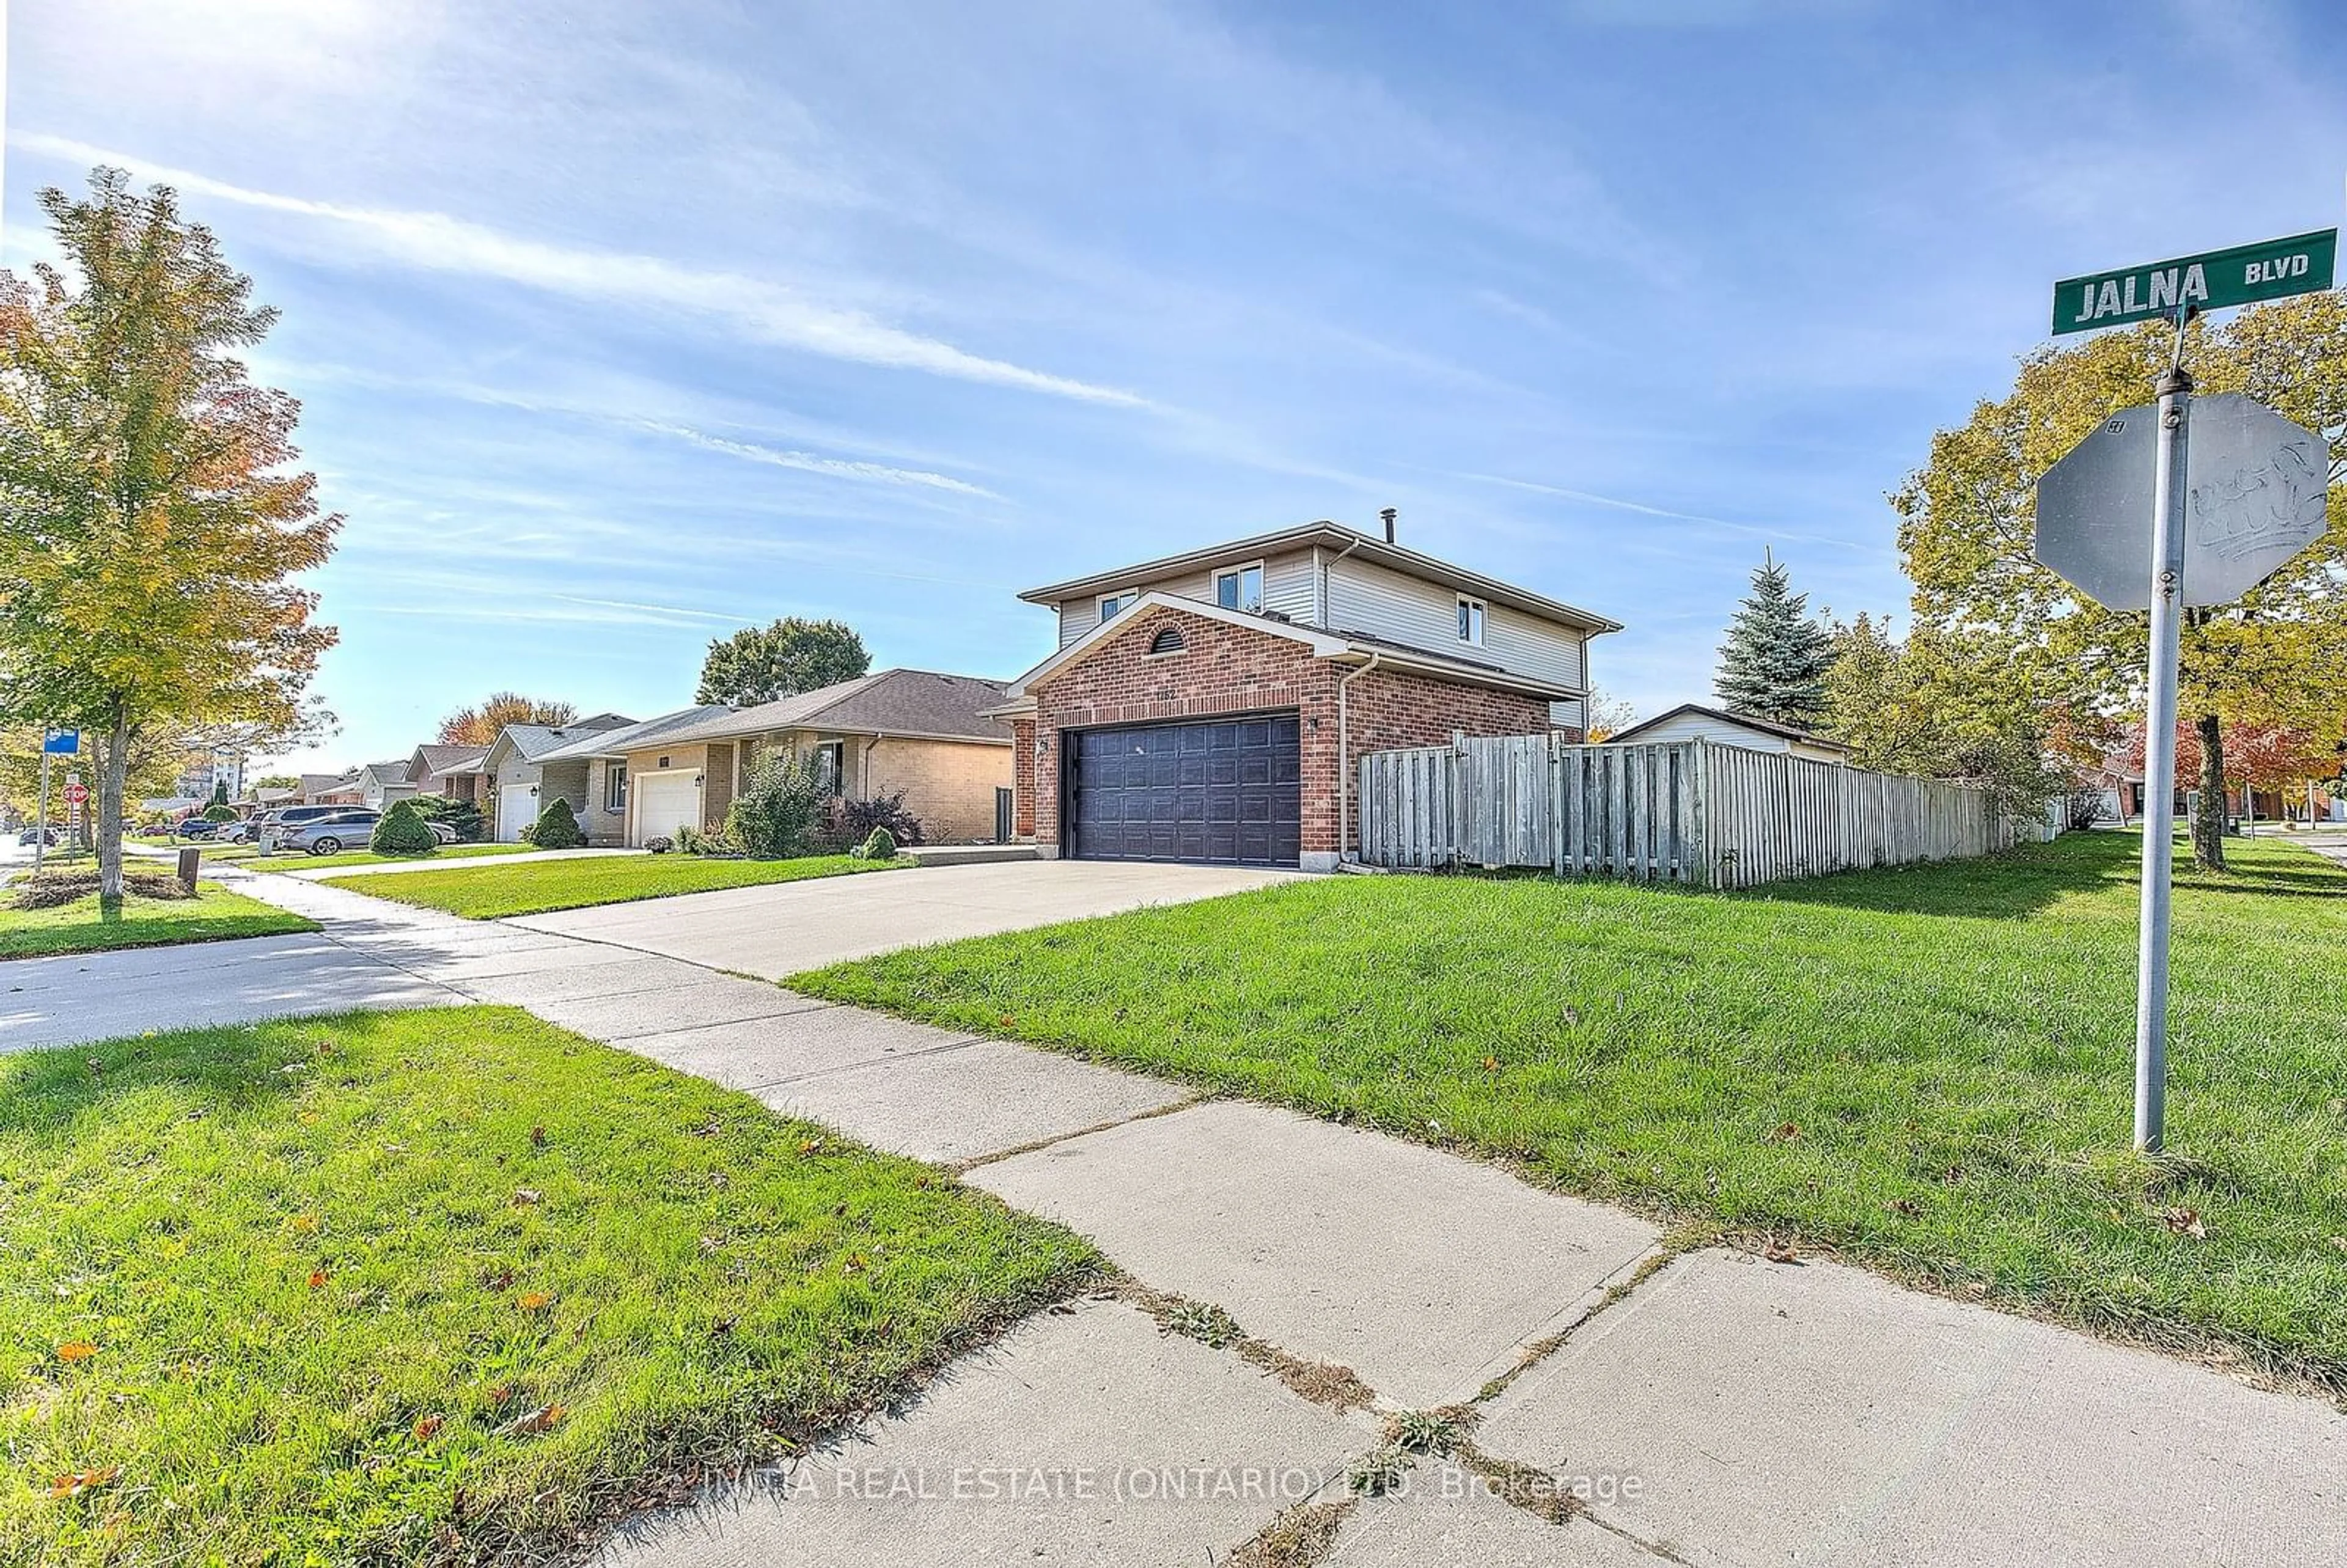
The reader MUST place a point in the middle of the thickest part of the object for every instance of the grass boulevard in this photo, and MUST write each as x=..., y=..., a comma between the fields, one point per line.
x=1927, y=1069
x=536, y=887
x=445, y=1286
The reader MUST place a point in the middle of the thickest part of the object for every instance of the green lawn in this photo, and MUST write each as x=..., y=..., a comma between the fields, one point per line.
x=440, y=1287
x=1929, y=1069
x=81, y=926
x=368, y=857
x=491, y=892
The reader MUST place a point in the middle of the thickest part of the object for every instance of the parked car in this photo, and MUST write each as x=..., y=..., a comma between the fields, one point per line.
x=273, y=824
x=444, y=832
x=197, y=828
x=347, y=828
x=32, y=835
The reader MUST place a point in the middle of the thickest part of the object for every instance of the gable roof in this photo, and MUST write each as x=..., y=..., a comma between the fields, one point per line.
x=627, y=738
x=1336, y=535
x=532, y=742
x=1741, y=720
x=382, y=775
x=1322, y=642
x=326, y=784
x=904, y=702
x=432, y=758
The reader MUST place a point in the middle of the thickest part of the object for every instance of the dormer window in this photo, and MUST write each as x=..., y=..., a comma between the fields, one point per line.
x=1470, y=620
x=1112, y=605
x=1241, y=588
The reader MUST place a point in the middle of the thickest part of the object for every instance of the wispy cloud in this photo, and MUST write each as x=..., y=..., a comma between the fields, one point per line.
x=1615, y=503
x=768, y=310
x=811, y=463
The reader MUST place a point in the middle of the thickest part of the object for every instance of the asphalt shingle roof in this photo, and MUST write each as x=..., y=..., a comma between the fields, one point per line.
x=629, y=737
x=891, y=703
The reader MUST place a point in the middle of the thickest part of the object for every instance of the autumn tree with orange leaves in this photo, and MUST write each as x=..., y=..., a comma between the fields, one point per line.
x=153, y=523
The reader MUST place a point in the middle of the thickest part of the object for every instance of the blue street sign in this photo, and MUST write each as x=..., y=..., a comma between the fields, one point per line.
x=61, y=742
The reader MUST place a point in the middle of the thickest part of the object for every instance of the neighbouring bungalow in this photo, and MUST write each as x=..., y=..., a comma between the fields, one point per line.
x=916, y=731
x=520, y=789
x=453, y=772
x=383, y=785
x=1693, y=722
x=332, y=789
x=598, y=764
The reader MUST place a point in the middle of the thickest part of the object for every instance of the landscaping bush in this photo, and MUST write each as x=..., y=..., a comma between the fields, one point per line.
x=779, y=808
x=557, y=826
x=660, y=844
x=47, y=889
x=220, y=811
x=461, y=815
x=859, y=819
x=880, y=845
x=403, y=831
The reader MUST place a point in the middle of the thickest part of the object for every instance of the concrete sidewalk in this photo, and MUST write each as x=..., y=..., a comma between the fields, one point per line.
x=1297, y=1282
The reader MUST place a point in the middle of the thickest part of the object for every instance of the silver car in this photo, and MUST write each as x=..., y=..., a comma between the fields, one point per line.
x=348, y=829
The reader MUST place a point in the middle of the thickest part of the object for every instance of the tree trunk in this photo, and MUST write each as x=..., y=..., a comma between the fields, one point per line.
x=2209, y=821
x=112, y=778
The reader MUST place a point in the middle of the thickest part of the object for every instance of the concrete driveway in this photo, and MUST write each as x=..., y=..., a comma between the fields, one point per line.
x=781, y=929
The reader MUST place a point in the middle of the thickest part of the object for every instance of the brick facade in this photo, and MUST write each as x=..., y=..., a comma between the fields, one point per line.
x=1227, y=669
x=948, y=784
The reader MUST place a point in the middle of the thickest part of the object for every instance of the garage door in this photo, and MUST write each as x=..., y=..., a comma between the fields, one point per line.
x=1223, y=791
x=664, y=803
x=516, y=809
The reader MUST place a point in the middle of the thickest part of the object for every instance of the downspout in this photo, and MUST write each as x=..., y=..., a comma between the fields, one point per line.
x=863, y=771
x=1345, y=759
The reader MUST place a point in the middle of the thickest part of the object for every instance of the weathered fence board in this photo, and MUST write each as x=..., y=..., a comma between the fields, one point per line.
x=1683, y=811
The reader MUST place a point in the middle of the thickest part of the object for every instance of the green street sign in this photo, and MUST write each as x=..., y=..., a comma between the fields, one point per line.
x=2211, y=281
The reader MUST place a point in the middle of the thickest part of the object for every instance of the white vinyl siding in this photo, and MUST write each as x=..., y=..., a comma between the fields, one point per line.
x=1704, y=727
x=1378, y=601
x=1288, y=587
x=1566, y=715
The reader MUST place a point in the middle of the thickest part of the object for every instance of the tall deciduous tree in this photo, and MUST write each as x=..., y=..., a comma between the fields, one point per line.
x=1939, y=706
x=760, y=663
x=479, y=724
x=152, y=525
x=1773, y=662
x=2278, y=657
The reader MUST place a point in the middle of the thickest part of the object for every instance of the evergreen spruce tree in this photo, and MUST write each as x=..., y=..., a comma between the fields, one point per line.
x=1773, y=663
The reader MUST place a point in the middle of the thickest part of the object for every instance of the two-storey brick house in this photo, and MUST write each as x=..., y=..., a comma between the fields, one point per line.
x=1212, y=706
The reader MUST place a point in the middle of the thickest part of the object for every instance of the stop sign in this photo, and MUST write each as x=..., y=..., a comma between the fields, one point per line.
x=76, y=793
x=2255, y=497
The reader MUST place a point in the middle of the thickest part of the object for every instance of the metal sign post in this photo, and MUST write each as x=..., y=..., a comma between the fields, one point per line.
x=2170, y=490
x=2224, y=514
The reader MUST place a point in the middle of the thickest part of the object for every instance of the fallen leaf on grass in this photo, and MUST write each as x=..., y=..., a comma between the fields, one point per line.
x=317, y=1279
x=810, y=1146
x=535, y=1301
x=501, y=1393
x=76, y=1350
x=1777, y=1251
x=1491, y=1064
x=542, y=1420
x=427, y=1428
x=2186, y=1221
x=73, y=1483
x=527, y=1197
x=1790, y=1132
x=1907, y=1206
x=305, y=1225
x=537, y=1137
x=2340, y=1242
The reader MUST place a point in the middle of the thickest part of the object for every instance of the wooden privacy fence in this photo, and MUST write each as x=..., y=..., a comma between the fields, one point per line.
x=1683, y=811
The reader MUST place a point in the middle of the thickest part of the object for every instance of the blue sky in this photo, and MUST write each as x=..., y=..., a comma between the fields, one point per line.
x=620, y=325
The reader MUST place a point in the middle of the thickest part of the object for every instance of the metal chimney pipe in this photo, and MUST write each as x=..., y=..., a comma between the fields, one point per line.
x=1388, y=514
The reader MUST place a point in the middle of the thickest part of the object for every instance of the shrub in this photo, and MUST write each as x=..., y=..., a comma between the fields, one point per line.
x=880, y=845
x=461, y=815
x=659, y=844
x=776, y=813
x=403, y=831
x=557, y=826
x=859, y=819
x=220, y=811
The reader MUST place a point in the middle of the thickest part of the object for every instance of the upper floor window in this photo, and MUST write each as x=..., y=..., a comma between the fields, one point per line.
x=1241, y=588
x=615, y=786
x=1112, y=605
x=1470, y=620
